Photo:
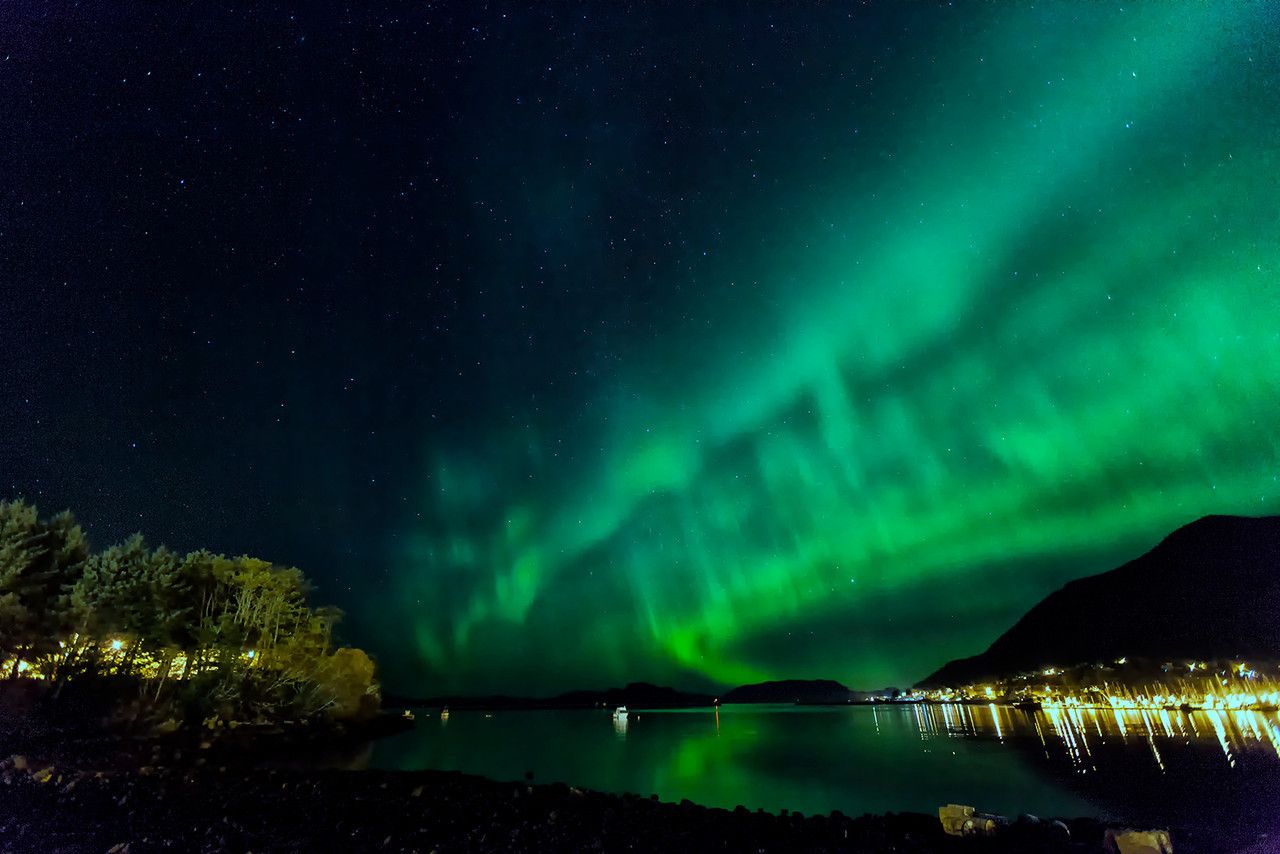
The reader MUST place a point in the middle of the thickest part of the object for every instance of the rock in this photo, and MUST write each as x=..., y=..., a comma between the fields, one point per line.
x=44, y=775
x=119, y=848
x=416, y=793
x=953, y=818
x=1130, y=841
x=19, y=762
x=166, y=727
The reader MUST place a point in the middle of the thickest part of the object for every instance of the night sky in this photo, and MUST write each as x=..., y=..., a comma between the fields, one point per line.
x=698, y=344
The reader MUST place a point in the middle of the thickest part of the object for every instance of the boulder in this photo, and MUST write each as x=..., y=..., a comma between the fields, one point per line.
x=1129, y=841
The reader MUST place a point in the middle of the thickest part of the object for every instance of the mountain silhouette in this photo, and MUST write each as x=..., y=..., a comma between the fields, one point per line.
x=1211, y=589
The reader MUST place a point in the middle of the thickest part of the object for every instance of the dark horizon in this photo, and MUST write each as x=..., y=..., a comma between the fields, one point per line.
x=583, y=345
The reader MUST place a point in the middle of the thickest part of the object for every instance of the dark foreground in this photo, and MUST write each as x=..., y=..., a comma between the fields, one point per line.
x=229, y=808
x=259, y=790
x=208, y=809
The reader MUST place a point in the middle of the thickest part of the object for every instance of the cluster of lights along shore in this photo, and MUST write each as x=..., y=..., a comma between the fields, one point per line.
x=1221, y=686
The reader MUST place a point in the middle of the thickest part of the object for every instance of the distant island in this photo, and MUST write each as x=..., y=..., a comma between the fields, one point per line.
x=790, y=691
x=643, y=695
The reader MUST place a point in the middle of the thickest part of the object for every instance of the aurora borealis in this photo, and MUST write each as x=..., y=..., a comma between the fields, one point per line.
x=699, y=346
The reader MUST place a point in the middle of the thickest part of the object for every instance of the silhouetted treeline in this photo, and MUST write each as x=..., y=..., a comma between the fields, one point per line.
x=195, y=635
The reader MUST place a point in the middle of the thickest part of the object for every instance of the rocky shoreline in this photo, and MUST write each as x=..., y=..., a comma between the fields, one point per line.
x=215, y=792
x=230, y=807
x=235, y=809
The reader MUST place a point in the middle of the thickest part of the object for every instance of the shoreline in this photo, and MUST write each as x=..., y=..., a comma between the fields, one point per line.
x=229, y=807
x=140, y=795
x=483, y=705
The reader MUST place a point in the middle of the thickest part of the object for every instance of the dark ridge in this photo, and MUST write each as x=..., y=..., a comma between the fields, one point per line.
x=638, y=695
x=1211, y=589
x=807, y=691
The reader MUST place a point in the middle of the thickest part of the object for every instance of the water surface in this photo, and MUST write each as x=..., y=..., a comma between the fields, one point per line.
x=1166, y=767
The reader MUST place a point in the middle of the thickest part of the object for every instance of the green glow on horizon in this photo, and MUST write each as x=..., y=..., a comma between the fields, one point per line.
x=1039, y=336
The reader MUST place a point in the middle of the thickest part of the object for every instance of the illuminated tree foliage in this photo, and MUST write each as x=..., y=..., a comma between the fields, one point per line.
x=233, y=637
x=38, y=558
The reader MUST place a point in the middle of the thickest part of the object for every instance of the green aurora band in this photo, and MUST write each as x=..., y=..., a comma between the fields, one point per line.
x=1031, y=324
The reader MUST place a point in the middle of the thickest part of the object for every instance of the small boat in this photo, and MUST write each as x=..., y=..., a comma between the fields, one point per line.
x=1028, y=705
x=408, y=714
x=444, y=713
x=620, y=713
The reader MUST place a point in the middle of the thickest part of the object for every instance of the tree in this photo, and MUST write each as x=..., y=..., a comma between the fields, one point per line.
x=348, y=677
x=39, y=561
x=111, y=599
x=250, y=642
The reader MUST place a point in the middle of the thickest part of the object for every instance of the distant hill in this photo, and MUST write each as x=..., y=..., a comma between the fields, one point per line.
x=637, y=695
x=790, y=691
x=1211, y=589
x=642, y=695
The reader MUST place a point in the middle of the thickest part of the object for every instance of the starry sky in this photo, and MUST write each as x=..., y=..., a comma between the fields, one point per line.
x=693, y=343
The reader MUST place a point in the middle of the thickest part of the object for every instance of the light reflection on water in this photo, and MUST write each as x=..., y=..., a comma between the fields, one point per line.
x=1068, y=730
x=1129, y=764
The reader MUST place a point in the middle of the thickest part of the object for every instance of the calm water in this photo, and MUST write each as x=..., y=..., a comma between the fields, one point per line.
x=1168, y=767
